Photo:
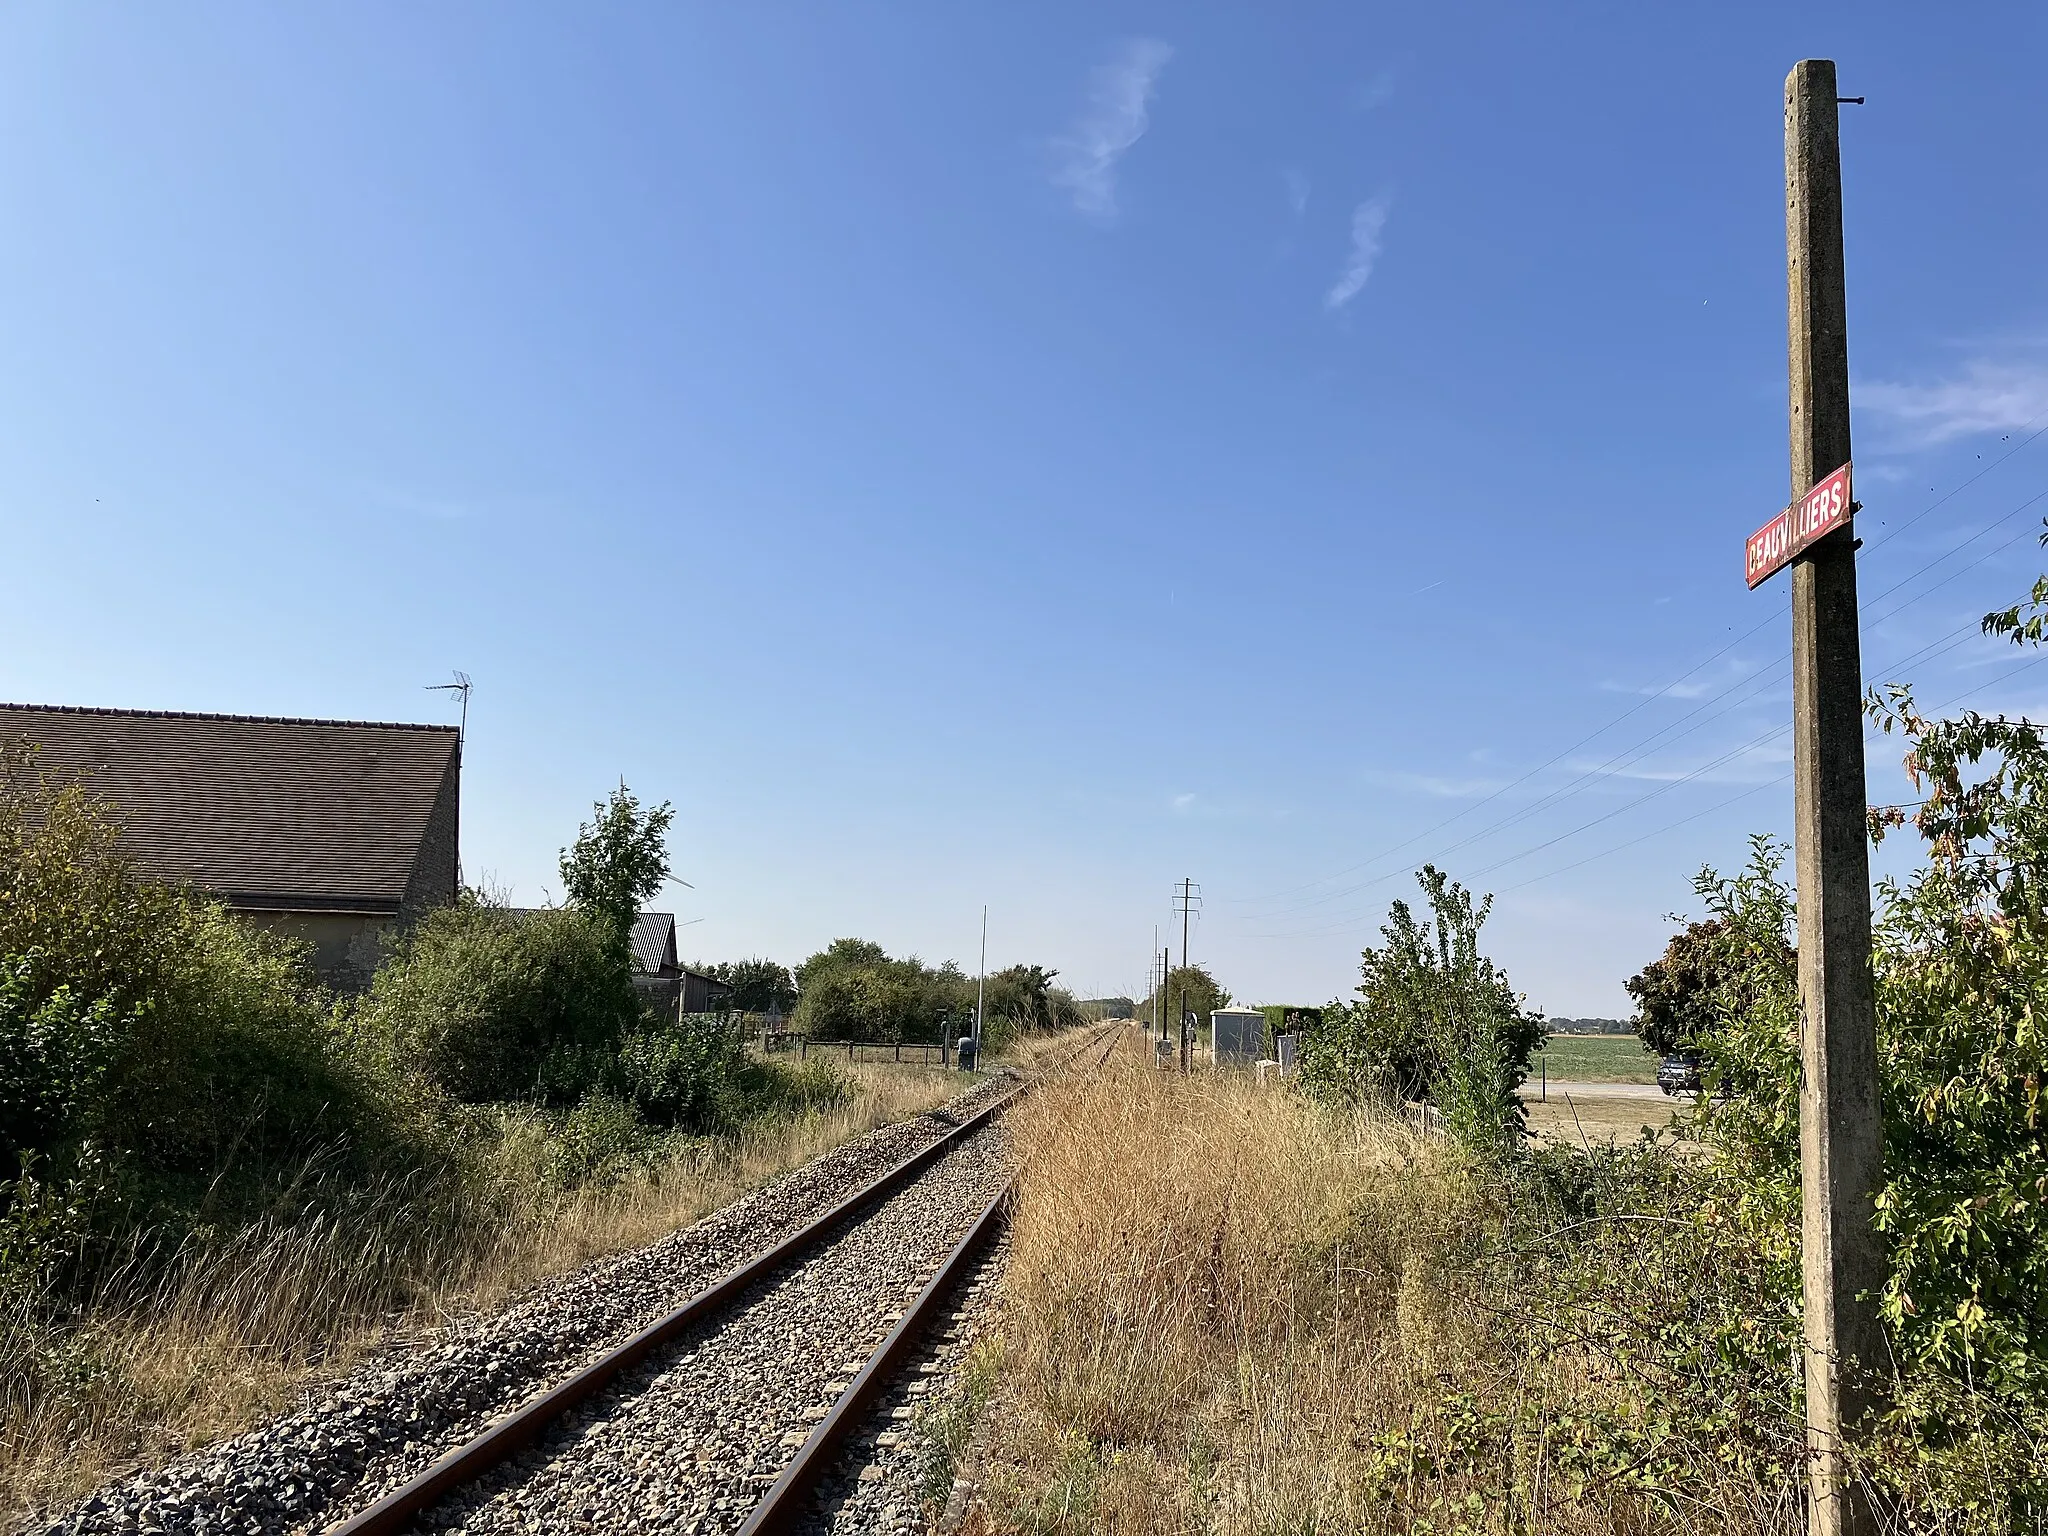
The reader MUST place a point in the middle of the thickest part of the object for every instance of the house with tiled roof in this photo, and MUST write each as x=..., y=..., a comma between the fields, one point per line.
x=339, y=832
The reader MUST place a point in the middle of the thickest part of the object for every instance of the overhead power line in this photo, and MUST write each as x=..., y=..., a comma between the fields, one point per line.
x=1750, y=687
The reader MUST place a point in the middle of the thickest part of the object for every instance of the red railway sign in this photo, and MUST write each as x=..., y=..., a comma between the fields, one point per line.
x=1812, y=517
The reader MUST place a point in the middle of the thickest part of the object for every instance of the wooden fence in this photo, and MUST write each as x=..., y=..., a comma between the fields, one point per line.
x=918, y=1052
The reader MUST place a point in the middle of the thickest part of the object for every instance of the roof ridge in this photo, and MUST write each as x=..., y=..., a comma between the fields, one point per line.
x=198, y=714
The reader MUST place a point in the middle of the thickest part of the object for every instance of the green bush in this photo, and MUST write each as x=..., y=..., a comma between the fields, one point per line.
x=796, y=1087
x=597, y=1141
x=689, y=1071
x=1435, y=1020
x=493, y=1005
x=1960, y=955
x=160, y=1061
x=853, y=990
x=55, y=1051
x=1025, y=997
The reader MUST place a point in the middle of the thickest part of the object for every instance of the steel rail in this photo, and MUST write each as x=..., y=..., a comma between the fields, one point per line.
x=518, y=1429
x=780, y=1507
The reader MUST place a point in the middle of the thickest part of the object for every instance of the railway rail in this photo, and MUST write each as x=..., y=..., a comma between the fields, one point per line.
x=609, y=1436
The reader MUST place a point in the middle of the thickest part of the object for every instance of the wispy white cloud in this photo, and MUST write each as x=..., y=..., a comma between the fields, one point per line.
x=1373, y=92
x=1368, y=219
x=1184, y=802
x=1297, y=190
x=1116, y=118
x=1754, y=764
x=1688, y=687
x=1434, y=785
x=1985, y=397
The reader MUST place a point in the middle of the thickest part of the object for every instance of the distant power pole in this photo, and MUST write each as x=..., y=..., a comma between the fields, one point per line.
x=980, y=988
x=1841, y=1140
x=1155, y=978
x=1185, y=900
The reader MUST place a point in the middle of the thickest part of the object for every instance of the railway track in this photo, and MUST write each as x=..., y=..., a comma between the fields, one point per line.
x=572, y=1412
x=756, y=1375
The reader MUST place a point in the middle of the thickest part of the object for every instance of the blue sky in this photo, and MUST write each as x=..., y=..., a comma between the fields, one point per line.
x=1018, y=455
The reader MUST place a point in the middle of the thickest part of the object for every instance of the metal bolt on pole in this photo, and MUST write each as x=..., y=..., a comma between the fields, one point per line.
x=1840, y=1132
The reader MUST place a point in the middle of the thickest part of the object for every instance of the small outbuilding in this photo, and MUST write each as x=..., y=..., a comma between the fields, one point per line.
x=1237, y=1036
x=662, y=980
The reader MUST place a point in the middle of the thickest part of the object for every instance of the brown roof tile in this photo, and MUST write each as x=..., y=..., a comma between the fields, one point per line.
x=270, y=811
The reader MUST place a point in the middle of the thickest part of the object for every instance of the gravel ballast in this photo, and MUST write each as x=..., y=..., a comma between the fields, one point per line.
x=690, y=1443
x=355, y=1439
x=899, y=1467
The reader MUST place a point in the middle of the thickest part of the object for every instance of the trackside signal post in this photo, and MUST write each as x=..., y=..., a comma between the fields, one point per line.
x=1840, y=1132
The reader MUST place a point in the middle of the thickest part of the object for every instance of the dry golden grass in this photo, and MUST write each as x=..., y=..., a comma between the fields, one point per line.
x=242, y=1333
x=1227, y=1312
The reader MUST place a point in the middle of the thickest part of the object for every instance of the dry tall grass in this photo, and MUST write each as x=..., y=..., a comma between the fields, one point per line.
x=1228, y=1312
x=213, y=1344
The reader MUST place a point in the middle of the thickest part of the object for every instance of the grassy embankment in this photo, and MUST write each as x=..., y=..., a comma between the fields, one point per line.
x=1227, y=1311
x=214, y=1346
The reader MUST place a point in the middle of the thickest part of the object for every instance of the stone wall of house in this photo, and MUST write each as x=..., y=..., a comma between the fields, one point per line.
x=346, y=946
x=437, y=872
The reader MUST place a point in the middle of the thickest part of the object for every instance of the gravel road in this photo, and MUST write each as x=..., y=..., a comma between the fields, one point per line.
x=1559, y=1089
x=355, y=1439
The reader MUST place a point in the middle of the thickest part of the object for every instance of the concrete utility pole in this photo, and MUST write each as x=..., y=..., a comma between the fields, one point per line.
x=1841, y=1138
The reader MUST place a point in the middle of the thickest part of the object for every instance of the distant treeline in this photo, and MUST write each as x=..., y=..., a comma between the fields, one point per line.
x=853, y=989
x=1591, y=1026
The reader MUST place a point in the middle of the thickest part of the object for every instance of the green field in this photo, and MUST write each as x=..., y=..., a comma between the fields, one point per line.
x=1596, y=1059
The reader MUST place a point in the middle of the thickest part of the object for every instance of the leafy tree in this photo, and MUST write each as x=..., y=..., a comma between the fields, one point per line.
x=619, y=859
x=758, y=986
x=1189, y=988
x=1680, y=994
x=1435, y=1020
x=840, y=954
x=853, y=990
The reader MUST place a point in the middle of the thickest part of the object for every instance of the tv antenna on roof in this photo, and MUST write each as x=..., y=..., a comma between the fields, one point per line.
x=460, y=686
